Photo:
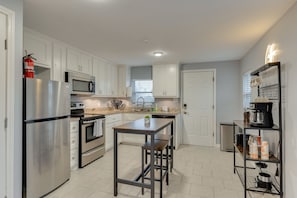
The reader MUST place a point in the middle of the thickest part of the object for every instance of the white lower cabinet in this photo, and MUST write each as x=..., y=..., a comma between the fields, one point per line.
x=111, y=121
x=132, y=138
x=74, y=144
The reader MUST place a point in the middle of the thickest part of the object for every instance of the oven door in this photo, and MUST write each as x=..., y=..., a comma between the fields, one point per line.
x=89, y=137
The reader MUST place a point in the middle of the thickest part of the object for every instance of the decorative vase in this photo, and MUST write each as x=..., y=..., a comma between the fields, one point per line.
x=147, y=121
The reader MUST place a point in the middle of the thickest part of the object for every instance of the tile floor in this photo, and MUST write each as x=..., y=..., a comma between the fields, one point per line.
x=199, y=172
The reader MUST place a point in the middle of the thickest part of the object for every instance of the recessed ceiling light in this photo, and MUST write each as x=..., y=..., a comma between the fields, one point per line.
x=158, y=54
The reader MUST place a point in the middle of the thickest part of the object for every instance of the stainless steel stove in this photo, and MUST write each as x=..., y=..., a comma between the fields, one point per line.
x=91, y=134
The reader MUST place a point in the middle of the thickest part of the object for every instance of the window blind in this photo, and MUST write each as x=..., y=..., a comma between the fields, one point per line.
x=141, y=73
x=142, y=84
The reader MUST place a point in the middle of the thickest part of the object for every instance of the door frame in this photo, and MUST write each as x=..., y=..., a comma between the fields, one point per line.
x=214, y=98
x=10, y=101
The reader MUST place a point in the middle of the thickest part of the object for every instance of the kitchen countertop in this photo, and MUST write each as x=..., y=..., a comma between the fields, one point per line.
x=110, y=112
x=74, y=119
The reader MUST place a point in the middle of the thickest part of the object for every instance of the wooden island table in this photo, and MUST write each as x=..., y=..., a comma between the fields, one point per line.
x=139, y=127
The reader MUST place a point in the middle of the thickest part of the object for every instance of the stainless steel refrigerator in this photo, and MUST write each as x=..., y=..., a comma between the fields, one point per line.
x=46, y=142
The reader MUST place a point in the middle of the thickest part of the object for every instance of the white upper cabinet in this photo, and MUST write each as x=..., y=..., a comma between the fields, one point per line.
x=112, y=80
x=99, y=71
x=106, y=75
x=123, y=81
x=79, y=61
x=166, y=81
x=59, y=62
x=40, y=46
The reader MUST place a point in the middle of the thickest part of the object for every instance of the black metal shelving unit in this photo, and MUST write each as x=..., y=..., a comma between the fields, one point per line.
x=246, y=172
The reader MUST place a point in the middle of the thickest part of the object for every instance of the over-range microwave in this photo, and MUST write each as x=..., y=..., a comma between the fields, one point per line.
x=81, y=84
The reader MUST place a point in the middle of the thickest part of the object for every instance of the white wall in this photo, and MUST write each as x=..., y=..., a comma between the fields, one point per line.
x=284, y=34
x=15, y=182
x=228, y=93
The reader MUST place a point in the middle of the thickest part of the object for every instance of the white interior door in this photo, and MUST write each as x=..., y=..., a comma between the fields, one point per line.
x=198, y=107
x=3, y=65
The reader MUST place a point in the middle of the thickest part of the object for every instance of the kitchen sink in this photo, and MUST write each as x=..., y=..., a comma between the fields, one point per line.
x=142, y=110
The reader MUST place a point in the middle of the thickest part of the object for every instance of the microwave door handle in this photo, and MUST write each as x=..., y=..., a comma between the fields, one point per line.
x=91, y=86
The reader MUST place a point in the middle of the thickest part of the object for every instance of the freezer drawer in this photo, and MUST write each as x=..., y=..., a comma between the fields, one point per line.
x=226, y=131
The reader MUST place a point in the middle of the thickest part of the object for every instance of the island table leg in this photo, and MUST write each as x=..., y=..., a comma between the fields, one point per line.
x=152, y=165
x=115, y=164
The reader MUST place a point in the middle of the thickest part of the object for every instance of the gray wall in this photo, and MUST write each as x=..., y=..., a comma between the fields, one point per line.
x=228, y=90
x=15, y=183
x=283, y=33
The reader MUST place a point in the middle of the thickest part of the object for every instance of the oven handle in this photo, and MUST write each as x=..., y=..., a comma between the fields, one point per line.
x=93, y=151
x=88, y=122
x=91, y=121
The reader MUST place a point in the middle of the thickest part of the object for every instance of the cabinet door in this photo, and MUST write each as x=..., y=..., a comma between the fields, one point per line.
x=111, y=82
x=40, y=47
x=73, y=60
x=114, y=80
x=158, y=80
x=132, y=138
x=99, y=71
x=122, y=79
x=108, y=84
x=85, y=61
x=166, y=81
x=79, y=61
x=171, y=86
x=59, y=62
x=111, y=121
x=108, y=136
x=178, y=131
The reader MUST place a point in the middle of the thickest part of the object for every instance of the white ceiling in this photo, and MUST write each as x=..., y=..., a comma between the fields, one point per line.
x=128, y=31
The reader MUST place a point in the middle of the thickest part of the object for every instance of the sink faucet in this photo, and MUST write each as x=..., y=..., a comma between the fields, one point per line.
x=137, y=102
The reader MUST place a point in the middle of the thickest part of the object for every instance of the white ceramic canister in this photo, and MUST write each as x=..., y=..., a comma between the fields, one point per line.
x=264, y=150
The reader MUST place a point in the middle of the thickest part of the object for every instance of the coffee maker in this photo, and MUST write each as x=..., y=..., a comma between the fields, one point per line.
x=261, y=114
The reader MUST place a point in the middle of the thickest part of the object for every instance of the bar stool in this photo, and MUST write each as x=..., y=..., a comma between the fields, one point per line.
x=163, y=137
x=159, y=147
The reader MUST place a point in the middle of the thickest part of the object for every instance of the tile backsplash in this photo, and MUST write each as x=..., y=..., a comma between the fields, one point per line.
x=95, y=102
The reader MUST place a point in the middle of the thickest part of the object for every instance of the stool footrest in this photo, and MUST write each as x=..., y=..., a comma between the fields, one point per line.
x=163, y=176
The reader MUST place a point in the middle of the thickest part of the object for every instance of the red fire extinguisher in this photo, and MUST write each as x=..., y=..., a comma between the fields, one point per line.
x=28, y=62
